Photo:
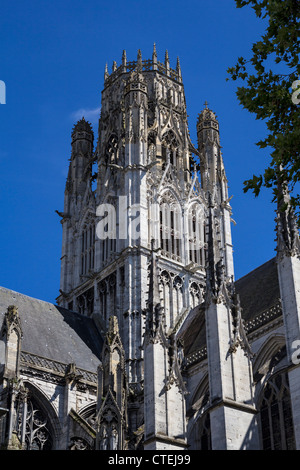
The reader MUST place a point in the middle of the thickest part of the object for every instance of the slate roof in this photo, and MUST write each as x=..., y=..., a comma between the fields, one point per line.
x=258, y=290
x=54, y=332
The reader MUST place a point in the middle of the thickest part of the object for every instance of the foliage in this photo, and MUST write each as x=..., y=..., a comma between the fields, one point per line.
x=268, y=78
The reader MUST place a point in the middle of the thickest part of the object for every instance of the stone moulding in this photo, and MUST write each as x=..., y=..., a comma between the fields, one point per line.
x=263, y=318
x=55, y=367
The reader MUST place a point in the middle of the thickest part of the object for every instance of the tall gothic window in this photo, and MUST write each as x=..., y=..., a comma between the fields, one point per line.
x=172, y=291
x=108, y=248
x=170, y=228
x=196, y=230
x=87, y=248
x=108, y=242
x=276, y=415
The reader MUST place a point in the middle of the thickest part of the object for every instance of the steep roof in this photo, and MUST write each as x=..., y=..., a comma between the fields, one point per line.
x=54, y=332
x=258, y=290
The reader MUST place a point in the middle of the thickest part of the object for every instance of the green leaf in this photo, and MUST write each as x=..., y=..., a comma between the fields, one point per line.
x=266, y=90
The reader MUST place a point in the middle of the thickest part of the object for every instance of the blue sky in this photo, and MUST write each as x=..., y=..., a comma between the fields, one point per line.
x=53, y=56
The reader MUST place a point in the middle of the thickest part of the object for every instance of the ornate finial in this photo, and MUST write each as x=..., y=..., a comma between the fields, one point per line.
x=239, y=337
x=178, y=68
x=12, y=311
x=12, y=320
x=114, y=66
x=167, y=62
x=154, y=57
x=206, y=116
x=154, y=51
x=139, y=61
x=124, y=61
x=106, y=74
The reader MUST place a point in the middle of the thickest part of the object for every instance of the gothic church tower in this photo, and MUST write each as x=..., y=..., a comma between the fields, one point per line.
x=152, y=242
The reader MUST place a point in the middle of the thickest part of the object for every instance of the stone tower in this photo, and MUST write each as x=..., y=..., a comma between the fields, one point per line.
x=151, y=242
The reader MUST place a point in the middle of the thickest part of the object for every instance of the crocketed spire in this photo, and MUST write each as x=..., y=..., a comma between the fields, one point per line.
x=82, y=126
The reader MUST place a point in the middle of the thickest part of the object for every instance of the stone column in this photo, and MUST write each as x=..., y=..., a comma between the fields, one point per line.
x=232, y=413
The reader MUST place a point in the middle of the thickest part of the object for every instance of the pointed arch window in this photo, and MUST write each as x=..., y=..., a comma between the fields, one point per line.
x=32, y=426
x=38, y=435
x=195, y=294
x=276, y=415
x=170, y=228
x=85, y=302
x=196, y=231
x=108, y=296
x=108, y=245
x=87, y=247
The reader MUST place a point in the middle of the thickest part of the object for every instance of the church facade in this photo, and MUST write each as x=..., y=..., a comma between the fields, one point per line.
x=152, y=343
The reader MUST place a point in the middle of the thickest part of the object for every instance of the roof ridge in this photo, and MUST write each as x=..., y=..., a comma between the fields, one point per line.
x=28, y=296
